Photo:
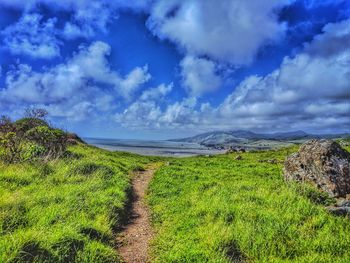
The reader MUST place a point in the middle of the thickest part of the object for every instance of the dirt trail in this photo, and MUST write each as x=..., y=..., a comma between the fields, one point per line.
x=133, y=241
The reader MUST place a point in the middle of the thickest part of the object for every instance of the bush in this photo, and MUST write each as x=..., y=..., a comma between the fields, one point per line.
x=54, y=141
x=5, y=125
x=23, y=125
x=11, y=147
x=32, y=151
x=30, y=138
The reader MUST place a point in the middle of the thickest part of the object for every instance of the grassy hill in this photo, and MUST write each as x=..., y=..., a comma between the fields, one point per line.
x=219, y=209
x=66, y=209
x=65, y=203
x=60, y=199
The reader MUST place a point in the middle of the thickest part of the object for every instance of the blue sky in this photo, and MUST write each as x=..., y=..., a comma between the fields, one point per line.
x=170, y=68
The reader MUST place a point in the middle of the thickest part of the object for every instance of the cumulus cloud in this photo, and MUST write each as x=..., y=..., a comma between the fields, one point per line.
x=312, y=86
x=228, y=30
x=73, y=85
x=199, y=75
x=74, y=4
x=146, y=111
x=309, y=91
x=150, y=115
x=88, y=16
x=131, y=83
x=33, y=37
x=156, y=93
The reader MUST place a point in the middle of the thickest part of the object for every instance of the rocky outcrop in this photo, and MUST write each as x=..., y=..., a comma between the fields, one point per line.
x=73, y=139
x=323, y=163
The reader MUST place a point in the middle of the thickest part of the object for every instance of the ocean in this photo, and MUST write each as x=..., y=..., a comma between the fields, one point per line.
x=153, y=148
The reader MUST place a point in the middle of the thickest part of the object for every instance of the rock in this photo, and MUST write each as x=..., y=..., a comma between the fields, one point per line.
x=339, y=211
x=241, y=150
x=238, y=157
x=231, y=150
x=74, y=139
x=323, y=163
x=343, y=202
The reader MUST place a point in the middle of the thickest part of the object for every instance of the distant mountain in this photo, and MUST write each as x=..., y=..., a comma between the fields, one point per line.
x=242, y=137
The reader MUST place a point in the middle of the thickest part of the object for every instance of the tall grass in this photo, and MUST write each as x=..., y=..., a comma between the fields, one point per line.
x=218, y=209
x=66, y=210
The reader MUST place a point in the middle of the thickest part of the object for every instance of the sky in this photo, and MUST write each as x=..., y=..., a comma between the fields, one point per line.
x=160, y=69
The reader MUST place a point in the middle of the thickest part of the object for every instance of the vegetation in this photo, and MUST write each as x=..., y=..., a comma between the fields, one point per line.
x=64, y=201
x=220, y=209
x=59, y=204
x=30, y=138
x=64, y=210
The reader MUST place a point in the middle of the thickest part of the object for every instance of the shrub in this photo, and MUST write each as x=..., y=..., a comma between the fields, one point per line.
x=36, y=113
x=30, y=138
x=32, y=151
x=52, y=140
x=23, y=125
x=11, y=147
x=5, y=125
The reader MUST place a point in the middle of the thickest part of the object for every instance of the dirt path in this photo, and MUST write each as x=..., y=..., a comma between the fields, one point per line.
x=133, y=241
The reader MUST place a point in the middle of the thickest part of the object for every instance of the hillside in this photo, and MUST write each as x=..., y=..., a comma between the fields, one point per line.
x=229, y=209
x=254, y=140
x=60, y=199
x=65, y=210
x=64, y=201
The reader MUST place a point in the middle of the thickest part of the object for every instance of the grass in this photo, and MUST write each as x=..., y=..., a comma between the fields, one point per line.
x=67, y=210
x=204, y=209
x=218, y=209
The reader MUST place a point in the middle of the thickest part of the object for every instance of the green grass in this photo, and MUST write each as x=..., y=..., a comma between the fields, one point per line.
x=67, y=210
x=218, y=209
x=204, y=209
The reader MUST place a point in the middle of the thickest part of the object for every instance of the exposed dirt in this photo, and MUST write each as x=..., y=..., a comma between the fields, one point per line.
x=133, y=241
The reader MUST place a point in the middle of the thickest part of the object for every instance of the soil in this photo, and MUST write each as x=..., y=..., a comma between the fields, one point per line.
x=133, y=241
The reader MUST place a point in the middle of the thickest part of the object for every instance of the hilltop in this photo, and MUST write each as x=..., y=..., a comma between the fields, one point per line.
x=249, y=139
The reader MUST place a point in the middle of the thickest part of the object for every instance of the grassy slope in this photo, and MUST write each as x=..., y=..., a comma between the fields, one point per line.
x=220, y=210
x=65, y=210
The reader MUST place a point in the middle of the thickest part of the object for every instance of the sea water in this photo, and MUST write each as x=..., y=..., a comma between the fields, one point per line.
x=153, y=147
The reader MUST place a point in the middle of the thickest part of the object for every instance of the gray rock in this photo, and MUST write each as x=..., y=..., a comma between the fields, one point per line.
x=343, y=202
x=339, y=211
x=323, y=163
x=238, y=158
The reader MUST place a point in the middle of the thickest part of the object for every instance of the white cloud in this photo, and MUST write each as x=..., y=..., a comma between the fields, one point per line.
x=156, y=93
x=309, y=91
x=88, y=16
x=228, y=30
x=199, y=75
x=72, y=31
x=33, y=37
x=130, y=84
x=314, y=83
x=149, y=114
x=73, y=85
x=146, y=110
x=75, y=4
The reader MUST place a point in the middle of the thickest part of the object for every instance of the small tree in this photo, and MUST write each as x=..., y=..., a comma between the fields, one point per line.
x=54, y=141
x=11, y=147
x=36, y=113
x=5, y=124
x=23, y=125
x=30, y=138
